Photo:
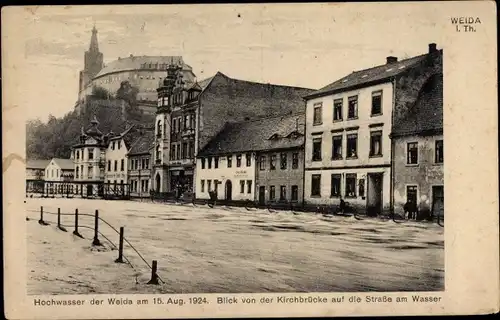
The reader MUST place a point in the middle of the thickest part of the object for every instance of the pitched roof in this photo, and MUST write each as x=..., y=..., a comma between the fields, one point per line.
x=426, y=115
x=143, y=143
x=137, y=62
x=37, y=164
x=370, y=75
x=64, y=164
x=258, y=135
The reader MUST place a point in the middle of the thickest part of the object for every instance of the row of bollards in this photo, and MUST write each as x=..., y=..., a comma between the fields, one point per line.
x=96, y=242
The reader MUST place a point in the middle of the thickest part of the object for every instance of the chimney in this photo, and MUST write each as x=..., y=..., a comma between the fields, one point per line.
x=392, y=59
x=432, y=47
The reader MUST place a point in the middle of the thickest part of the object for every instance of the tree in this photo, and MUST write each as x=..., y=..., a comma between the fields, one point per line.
x=101, y=93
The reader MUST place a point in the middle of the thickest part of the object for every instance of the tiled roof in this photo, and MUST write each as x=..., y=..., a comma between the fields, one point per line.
x=37, y=164
x=65, y=164
x=366, y=76
x=258, y=135
x=143, y=143
x=426, y=115
x=135, y=62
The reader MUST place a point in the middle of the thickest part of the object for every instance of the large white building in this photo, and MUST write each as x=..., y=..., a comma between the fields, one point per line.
x=60, y=170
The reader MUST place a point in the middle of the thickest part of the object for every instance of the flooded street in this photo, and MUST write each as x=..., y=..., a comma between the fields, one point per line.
x=228, y=250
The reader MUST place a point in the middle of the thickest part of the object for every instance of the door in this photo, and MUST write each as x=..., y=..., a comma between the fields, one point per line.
x=158, y=182
x=437, y=201
x=262, y=195
x=229, y=190
x=375, y=194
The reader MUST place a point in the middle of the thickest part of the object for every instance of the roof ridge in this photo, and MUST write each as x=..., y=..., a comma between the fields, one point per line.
x=270, y=117
x=385, y=64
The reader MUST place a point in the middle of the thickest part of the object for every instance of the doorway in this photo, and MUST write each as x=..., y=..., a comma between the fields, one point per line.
x=262, y=195
x=375, y=194
x=158, y=181
x=437, y=201
x=229, y=190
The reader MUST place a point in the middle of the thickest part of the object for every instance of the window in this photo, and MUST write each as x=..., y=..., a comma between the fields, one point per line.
x=91, y=154
x=412, y=155
x=238, y=160
x=242, y=186
x=216, y=186
x=191, y=149
x=361, y=187
x=158, y=153
x=375, y=143
x=295, y=193
x=316, y=156
x=283, y=161
x=352, y=145
x=316, y=185
x=77, y=172
x=122, y=165
x=209, y=185
x=89, y=172
x=352, y=111
x=229, y=161
x=119, y=144
x=178, y=154
x=116, y=165
x=337, y=109
x=411, y=194
x=262, y=163
x=77, y=154
x=350, y=185
x=439, y=157
x=272, y=193
x=113, y=145
x=318, y=110
x=216, y=162
x=337, y=147
x=295, y=160
x=209, y=162
x=203, y=163
x=248, y=157
x=376, y=103
x=283, y=193
x=184, y=150
x=202, y=185
x=109, y=165
x=174, y=124
x=249, y=186
x=335, y=186
x=186, y=122
x=272, y=162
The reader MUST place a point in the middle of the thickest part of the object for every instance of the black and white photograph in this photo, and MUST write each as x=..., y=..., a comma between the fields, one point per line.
x=230, y=149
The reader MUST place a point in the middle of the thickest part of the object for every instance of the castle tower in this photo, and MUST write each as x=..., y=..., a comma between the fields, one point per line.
x=93, y=58
x=93, y=61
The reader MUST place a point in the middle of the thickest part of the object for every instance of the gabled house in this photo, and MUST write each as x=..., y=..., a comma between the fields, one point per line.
x=139, y=164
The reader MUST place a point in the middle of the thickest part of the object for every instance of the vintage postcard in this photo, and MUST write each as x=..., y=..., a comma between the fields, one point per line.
x=250, y=160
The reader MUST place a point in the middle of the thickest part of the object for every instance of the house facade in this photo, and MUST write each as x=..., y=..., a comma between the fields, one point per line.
x=35, y=169
x=89, y=161
x=140, y=164
x=257, y=161
x=230, y=175
x=419, y=153
x=349, y=153
x=196, y=113
x=60, y=170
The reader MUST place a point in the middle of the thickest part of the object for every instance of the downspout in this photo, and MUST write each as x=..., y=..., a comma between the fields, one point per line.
x=391, y=190
x=304, y=159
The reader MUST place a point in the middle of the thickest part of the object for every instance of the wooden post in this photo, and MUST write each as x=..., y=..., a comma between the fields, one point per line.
x=75, y=232
x=59, y=221
x=120, y=247
x=96, y=241
x=43, y=223
x=154, y=275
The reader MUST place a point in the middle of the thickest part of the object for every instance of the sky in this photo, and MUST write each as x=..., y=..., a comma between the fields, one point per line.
x=299, y=45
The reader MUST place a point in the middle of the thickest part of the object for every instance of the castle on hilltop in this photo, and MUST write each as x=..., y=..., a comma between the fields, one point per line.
x=142, y=72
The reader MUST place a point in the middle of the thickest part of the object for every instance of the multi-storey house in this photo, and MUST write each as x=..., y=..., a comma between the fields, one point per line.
x=348, y=149
x=257, y=160
x=196, y=113
x=139, y=164
x=89, y=161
